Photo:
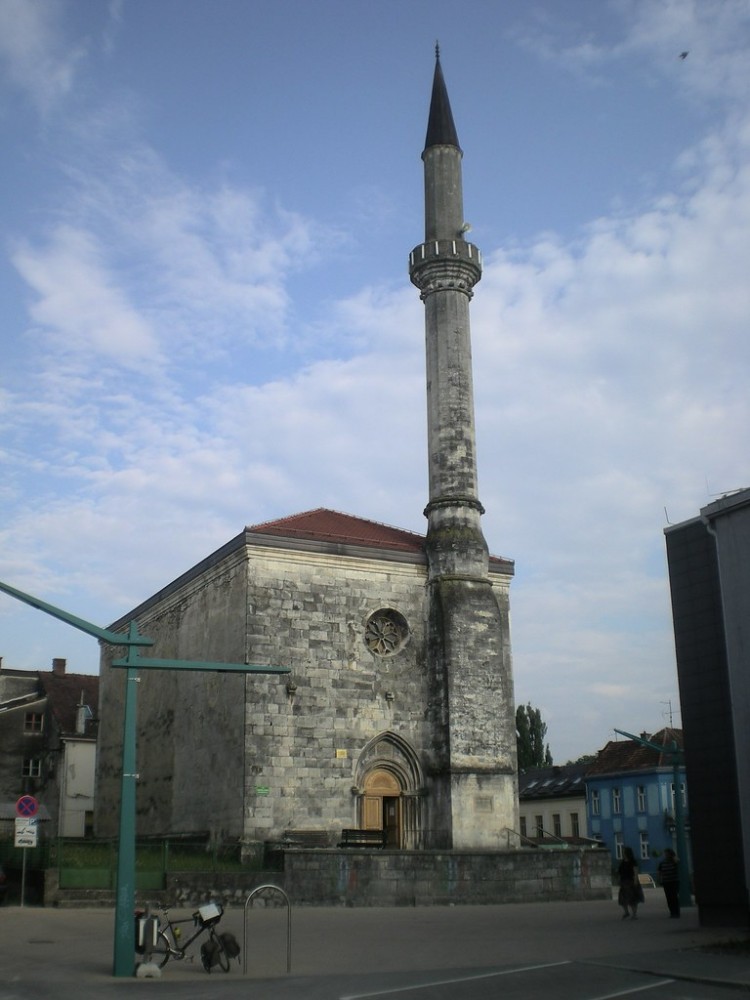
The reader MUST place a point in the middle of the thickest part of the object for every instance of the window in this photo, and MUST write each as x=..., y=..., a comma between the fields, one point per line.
x=523, y=826
x=595, y=802
x=556, y=825
x=539, y=823
x=641, y=796
x=575, y=830
x=616, y=801
x=32, y=767
x=682, y=794
x=386, y=632
x=32, y=722
x=644, y=846
x=618, y=846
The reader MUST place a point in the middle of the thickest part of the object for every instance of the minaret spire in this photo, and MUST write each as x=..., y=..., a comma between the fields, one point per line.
x=468, y=637
x=441, y=130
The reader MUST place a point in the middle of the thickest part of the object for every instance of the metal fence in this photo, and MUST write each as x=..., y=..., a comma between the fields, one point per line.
x=92, y=864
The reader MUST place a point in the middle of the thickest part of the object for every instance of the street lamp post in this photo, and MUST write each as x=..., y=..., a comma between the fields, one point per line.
x=124, y=944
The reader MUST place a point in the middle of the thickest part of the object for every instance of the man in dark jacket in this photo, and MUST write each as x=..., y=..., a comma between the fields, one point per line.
x=669, y=876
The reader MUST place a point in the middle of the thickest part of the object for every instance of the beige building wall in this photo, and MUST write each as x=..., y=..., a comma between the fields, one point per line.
x=565, y=809
x=77, y=785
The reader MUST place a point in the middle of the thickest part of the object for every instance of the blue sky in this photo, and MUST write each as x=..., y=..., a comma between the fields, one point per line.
x=207, y=211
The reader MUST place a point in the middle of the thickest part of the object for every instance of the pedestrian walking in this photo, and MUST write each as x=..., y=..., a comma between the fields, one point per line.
x=630, y=890
x=669, y=876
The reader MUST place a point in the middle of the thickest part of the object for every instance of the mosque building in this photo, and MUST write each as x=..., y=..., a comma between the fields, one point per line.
x=397, y=714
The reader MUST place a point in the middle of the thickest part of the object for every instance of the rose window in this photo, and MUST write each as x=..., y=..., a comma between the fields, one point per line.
x=386, y=632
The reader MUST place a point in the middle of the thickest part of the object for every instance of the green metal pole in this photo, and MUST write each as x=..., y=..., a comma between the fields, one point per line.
x=124, y=950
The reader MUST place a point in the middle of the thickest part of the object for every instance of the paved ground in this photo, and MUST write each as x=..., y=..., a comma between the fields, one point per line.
x=567, y=950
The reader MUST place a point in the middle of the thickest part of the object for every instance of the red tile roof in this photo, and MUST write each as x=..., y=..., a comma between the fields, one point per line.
x=332, y=526
x=324, y=525
x=629, y=755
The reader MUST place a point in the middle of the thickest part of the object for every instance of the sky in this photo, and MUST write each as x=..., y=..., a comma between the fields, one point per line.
x=207, y=211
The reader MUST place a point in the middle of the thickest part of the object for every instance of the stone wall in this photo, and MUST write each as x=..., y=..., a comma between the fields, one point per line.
x=436, y=878
x=385, y=878
x=400, y=878
x=250, y=758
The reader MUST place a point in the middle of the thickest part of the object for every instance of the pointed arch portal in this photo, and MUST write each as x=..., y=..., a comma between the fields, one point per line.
x=391, y=790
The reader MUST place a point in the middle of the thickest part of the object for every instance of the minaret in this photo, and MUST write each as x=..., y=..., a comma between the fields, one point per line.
x=468, y=632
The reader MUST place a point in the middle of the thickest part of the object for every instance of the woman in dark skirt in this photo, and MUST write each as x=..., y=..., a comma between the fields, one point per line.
x=630, y=890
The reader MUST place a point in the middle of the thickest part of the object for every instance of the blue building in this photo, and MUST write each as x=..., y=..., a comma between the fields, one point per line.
x=630, y=798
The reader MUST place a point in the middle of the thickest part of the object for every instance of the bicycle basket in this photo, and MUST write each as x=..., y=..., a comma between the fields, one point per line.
x=209, y=914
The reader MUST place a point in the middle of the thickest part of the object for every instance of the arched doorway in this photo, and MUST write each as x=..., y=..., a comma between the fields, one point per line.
x=390, y=791
x=381, y=805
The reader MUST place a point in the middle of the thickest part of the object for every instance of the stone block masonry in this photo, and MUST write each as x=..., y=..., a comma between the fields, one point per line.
x=441, y=878
x=357, y=878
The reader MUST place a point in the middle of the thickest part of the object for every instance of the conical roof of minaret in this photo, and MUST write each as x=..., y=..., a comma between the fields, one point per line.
x=441, y=130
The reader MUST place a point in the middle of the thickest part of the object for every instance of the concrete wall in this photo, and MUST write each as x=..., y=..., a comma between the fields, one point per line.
x=76, y=780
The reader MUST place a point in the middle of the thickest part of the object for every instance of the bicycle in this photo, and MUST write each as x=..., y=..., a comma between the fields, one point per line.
x=170, y=946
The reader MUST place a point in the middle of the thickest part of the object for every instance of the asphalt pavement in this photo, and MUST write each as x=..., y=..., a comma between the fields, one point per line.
x=580, y=950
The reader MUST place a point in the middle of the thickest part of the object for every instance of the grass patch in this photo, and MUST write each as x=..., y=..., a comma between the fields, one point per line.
x=156, y=856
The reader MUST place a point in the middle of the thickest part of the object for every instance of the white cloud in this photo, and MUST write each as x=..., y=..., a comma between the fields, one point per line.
x=78, y=302
x=611, y=690
x=37, y=58
x=650, y=39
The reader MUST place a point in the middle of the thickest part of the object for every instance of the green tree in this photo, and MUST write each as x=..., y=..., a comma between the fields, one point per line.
x=530, y=734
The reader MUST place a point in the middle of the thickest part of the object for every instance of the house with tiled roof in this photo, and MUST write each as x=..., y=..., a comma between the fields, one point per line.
x=48, y=736
x=552, y=806
x=630, y=796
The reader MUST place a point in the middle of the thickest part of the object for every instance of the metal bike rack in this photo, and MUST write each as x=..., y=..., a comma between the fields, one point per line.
x=268, y=891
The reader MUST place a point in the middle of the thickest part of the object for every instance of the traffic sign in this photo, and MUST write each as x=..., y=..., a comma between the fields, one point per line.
x=27, y=806
x=26, y=833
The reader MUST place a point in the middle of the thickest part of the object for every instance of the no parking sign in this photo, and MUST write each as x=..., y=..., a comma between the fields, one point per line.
x=27, y=806
x=26, y=822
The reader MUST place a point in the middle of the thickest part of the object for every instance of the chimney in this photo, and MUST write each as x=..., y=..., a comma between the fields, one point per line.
x=83, y=714
x=58, y=666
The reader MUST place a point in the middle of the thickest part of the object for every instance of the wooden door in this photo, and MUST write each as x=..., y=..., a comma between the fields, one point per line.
x=381, y=805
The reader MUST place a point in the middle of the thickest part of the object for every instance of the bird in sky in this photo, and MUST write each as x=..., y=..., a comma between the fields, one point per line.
x=684, y=55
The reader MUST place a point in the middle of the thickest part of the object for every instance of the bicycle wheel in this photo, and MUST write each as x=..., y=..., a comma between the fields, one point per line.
x=161, y=952
x=221, y=954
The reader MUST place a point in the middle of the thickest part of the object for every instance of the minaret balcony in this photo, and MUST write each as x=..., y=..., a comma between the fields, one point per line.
x=445, y=264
